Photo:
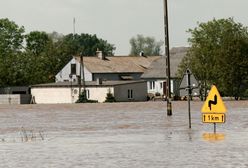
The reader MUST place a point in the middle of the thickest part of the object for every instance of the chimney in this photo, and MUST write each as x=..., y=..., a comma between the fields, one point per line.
x=99, y=81
x=100, y=55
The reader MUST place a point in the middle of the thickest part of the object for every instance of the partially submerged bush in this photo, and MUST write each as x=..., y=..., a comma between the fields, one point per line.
x=110, y=98
x=83, y=98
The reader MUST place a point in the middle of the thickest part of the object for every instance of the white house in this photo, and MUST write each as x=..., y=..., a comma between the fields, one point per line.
x=149, y=68
x=105, y=68
x=68, y=92
x=156, y=76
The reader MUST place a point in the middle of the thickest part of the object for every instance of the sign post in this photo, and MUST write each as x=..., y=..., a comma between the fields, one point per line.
x=188, y=83
x=189, y=93
x=213, y=109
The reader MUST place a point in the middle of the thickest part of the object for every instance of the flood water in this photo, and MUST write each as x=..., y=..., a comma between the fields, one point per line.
x=122, y=135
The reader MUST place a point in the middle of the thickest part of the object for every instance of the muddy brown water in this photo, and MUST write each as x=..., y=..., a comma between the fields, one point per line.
x=122, y=135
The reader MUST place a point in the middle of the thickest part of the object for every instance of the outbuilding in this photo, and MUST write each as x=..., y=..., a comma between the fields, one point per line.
x=68, y=92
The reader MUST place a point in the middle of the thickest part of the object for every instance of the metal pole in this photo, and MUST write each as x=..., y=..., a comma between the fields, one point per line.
x=70, y=76
x=214, y=128
x=80, y=74
x=189, y=95
x=189, y=111
x=82, y=65
x=167, y=53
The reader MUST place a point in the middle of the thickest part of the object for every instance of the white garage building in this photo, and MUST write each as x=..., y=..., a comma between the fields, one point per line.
x=67, y=92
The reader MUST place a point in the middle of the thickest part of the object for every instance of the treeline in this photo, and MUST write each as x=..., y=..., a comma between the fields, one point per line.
x=219, y=55
x=36, y=57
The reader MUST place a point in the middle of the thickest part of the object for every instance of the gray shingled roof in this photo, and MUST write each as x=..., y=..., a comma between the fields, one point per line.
x=118, y=64
x=157, y=69
x=176, y=56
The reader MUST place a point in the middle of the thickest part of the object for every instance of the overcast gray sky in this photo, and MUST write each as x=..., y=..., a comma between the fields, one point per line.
x=118, y=20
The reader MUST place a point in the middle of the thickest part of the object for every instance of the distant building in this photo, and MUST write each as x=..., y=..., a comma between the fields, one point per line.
x=156, y=76
x=15, y=95
x=106, y=68
x=123, y=68
x=67, y=92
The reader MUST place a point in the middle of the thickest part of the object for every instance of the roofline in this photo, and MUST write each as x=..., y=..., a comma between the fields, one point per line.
x=153, y=78
x=68, y=85
x=123, y=56
x=146, y=78
x=121, y=73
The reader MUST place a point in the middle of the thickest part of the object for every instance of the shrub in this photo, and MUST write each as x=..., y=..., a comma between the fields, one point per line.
x=110, y=98
x=83, y=98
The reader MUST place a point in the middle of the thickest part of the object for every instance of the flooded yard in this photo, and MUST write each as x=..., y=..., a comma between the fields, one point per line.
x=122, y=135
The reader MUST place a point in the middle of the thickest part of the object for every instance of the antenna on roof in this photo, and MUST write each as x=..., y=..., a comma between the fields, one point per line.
x=74, y=22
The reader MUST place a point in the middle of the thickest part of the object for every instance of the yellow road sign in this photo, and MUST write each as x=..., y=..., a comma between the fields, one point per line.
x=214, y=103
x=213, y=118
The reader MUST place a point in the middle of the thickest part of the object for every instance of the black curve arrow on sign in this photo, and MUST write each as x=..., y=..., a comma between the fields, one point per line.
x=212, y=102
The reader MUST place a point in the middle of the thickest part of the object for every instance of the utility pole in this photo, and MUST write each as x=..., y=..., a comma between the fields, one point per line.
x=167, y=54
x=82, y=76
x=82, y=65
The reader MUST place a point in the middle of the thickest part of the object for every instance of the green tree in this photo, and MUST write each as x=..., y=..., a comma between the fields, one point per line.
x=148, y=45
x=36, y=42
x=87, y=45
x=48, y=53
x=11, y=39
x=43, y=55
x=218, y=55
x=72, y=45
x=40, y=57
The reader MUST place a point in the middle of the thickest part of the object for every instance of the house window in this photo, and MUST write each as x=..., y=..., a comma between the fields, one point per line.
x=73, y=69
x=87, y=93
x=152, y=85
x=130, y=94
x=161, y=85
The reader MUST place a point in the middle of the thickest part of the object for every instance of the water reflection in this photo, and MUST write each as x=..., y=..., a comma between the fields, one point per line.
x=213, y=137
x=190, y=133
